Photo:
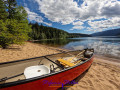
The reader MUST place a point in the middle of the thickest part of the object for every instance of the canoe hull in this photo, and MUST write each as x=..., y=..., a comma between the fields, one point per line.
x=53, y=82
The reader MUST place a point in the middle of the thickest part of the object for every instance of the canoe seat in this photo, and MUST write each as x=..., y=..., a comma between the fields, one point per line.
x=65, y=62
x=68, y=62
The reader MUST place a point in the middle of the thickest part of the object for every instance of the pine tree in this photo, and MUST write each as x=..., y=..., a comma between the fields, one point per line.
x=20, y=14
x=13, y=32
x=3, y=13
x=11, y=8
x=15, y=29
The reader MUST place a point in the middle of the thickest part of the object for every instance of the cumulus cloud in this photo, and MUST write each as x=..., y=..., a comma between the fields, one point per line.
x=103, y=24
x=97, y=9
x=68, y=11
x=49, y=24
x=78, y=27
x=63, y=11
x=111, y=9
x=78, y=23
x=32, y=16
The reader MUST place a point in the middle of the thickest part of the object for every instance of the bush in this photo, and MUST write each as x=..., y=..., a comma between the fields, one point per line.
x=13, y=32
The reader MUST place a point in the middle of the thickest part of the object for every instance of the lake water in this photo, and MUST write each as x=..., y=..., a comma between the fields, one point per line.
x=108, y=46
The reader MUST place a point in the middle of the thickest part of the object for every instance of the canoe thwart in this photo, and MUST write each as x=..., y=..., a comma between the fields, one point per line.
x=66, y=62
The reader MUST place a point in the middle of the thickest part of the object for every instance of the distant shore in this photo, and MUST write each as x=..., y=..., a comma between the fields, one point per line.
x=103, y=74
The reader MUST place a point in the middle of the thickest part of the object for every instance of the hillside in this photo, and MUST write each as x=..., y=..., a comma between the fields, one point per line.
x=113, y=32
x=43, y=32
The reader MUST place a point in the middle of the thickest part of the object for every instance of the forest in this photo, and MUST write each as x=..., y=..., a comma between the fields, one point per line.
x=44, y=32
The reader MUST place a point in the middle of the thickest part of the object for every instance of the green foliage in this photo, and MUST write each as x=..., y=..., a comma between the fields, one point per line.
x=11, y=8
x=3, y=13
x=21, y=14
x=44, y=32
x=14, y=29
x=13, y=32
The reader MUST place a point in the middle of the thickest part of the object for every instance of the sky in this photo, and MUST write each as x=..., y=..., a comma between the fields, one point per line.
x=74, y=16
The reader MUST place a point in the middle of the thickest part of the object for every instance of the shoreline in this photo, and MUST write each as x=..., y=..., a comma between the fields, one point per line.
x=35, y=48
x=108, y=60
x=103, y=74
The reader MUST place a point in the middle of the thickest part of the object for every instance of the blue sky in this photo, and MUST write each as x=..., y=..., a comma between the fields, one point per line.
x=74, y=16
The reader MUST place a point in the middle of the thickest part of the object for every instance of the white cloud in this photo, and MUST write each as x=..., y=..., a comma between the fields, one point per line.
x=49, y=24
x=32, y=16
x=63, y=11
x=78, y=23
x=78, y=27
x=104, y=24
x=68, y=11
x=111, y=9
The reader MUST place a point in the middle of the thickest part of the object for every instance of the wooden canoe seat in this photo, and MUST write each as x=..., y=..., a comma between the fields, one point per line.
x=68, y=62
x=65, y=62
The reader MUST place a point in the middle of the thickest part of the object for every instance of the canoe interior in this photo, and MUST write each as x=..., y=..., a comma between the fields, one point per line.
x=11, y=69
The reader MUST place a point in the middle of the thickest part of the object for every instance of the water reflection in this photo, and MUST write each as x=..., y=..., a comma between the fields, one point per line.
x=105, y=46
x=57, y=42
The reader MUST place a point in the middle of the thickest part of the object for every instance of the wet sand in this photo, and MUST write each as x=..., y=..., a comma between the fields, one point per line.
x=104, y=74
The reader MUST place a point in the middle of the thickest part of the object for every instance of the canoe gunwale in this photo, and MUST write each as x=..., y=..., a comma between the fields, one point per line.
x=43, y=76
x=35, y=57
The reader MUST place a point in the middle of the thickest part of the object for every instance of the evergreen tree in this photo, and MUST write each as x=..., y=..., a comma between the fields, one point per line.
x=15, y=29
x=44, y=32
x=11, y=8
x=13, y=32
x=20, y=14
x=3, y=13
x=43, y=36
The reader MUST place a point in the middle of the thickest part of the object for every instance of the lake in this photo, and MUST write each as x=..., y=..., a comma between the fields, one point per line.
x=107, y=46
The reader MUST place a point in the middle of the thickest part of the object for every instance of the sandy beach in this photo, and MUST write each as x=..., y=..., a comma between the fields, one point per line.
x=27, y=50
x=101, y=76
x=104, y=74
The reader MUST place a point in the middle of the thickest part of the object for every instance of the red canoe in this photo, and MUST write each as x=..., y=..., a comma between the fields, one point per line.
x=48, y=72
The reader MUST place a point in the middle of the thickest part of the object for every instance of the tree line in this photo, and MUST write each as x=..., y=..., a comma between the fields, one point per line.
x=74, y=35
x=44, y=32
